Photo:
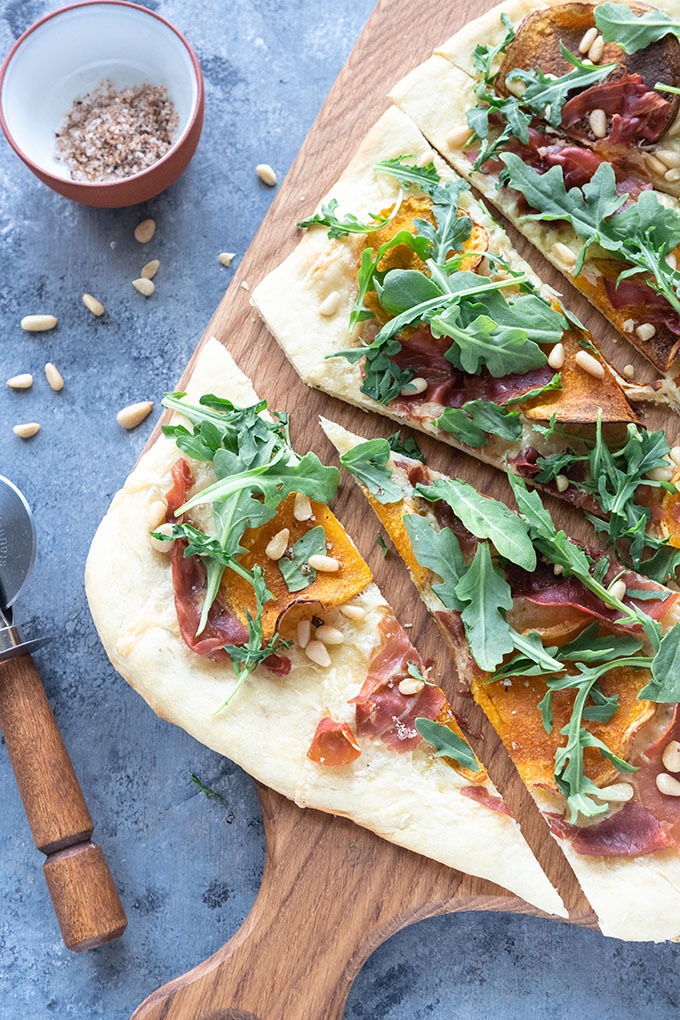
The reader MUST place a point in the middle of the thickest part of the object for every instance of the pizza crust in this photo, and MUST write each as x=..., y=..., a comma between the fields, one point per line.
x=410, y=798
x=635, y=898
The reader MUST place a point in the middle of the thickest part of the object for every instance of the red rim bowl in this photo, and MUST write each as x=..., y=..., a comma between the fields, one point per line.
x=66, y=54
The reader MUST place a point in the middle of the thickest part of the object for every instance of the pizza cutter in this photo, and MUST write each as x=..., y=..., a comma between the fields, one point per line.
x=84, y=896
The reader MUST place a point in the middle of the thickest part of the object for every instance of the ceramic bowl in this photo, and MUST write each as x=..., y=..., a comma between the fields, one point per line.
x=65, y=55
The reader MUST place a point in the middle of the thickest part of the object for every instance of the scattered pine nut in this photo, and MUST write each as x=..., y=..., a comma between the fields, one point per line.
x=20, y=382
x=54, y=377
x=302, y=508
x=304, y=632
x=329, y=635
x=149, y=269
x=655, y=165
x=144, y=286
x=598, y=123
x=410, y=685
x=629, y=325
x=145, y=230
x=590, y=364
x=318, y=653
x=646, y=331
x=245, y=285
x=38, y=323
x=458, y=137
x=266, y=174
x=660, y=474
x=589, y=37
x=324, y=564
x=564, y=253
x=672, y=175
x=92, y=305
x=667, y=785
x=415, y=386
x=25, y=431
x=330, y=304
x=671, y=756
x=353, y=612
x=596, y=49
x=157, y=543
x=618, y=589
x=617, y=793
x=556, y=357
x=277, y=545
x=158, y=511
x=562, y=483
x=629, y=371
x=133, y=415
x=671, y=157
x=225, y=258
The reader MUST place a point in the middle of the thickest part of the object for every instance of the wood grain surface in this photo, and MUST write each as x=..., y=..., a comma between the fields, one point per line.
x=332, y=891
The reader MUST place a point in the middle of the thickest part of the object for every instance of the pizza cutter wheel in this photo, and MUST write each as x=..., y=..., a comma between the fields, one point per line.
x=84, y=896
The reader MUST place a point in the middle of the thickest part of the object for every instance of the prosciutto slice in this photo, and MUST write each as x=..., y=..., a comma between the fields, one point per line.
x=222, y=628
x=333, y=744
x=381, y=709
x=638, y=114
x=666, y=809
x=182, y=482
x=631, y=832
x=482, y=796
x=652, y=306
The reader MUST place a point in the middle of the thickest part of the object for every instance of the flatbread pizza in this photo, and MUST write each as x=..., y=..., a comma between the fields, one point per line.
x=230, y=597
x=565, y=115
x=573, y=659
x=406, y=298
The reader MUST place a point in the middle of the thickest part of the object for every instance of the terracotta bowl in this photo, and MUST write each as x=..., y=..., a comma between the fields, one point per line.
x=65, y=55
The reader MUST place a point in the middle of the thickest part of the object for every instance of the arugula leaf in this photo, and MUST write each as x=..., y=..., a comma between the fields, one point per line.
x=484, y=518
x=665, y=683
x=483, y=343
x=407, y=447
x=294, y=564
x=588, y=647
x=343, y=226
x=476, y=420
x=409, y=174
x=383, y=546
x=447, y=744
x=440, y=552
x=209, y=793
x=369, y=275
x=545, y=96
x=487, y=593
x=632, y=32
x=483, y=56
x=458, y=423
x=538, y=391
x=368, y=463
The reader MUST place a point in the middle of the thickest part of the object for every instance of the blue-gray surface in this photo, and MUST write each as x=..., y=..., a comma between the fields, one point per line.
x=188, y=868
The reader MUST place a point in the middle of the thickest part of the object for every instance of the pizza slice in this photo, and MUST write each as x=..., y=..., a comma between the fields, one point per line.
x=565, y=115
x=575, y=661
x=230, y=597
x=406, y=298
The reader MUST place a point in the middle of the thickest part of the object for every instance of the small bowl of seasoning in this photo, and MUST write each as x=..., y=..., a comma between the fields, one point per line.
x=103, y=100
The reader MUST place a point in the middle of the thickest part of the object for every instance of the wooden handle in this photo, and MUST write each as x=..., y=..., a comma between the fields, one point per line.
x=88, y=908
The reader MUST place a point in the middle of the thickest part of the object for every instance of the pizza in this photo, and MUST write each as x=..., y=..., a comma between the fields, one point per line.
x=405, y=297
x=575, y=661
x=230, y=597
x=565, y=116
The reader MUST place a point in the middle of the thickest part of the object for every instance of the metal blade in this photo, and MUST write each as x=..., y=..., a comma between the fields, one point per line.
x=17, y=542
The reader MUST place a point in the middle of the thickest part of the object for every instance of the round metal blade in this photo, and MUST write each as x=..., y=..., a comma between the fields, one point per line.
x=17, y=542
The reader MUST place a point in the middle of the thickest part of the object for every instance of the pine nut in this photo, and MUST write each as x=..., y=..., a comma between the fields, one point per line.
x=415, y=386
x=674, y=454
x=318, y=653
x=329, y=635
x=556, y=357
x=617, y=793
x=245, y=285
x=667, y=785
x=590, y=364
x=266, y=174
x=458, y=137
x=353, y=612
x=157, y=513
x=671, y=157
x=563, y=253
x=672, y=176
x=671, y=260
x=589, y=37
x=629, y=326
x=548, y=111
x=145, y=230
x=20, y=382
x=26, y=430
x=149, y=269
x=562, y=483
x=629, y=371
x=330, y=304
x=617, y=589
x=225, y=258
x=410, y=685
x=157, y=543
x=596, y=49
x=92, y=305
x=655, y=165
x=517, y=87
x=598, y=123
x=587, y=60
x=324, y=564
x=304, y=632
x=302, y=508
x=645, y=331
x=671, y=756
x=660, y=474
x=54, y=377
x=558, y=569
x=133, y=415
x=277, y=545
x=144, y=286
x=38, y=323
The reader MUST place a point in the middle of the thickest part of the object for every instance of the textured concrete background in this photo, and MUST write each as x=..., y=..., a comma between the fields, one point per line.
x=188, y=868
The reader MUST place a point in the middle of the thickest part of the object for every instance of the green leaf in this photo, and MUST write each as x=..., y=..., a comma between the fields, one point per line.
x=426, y=178
x=342, y=226
x=294, y=565
x=447, y=744
x=440, y=552
x=664, y=686
x=587, y=647
x=368, y=463
x=487, y=594
x=406, y=447
x=405, y=288
x=619, y=24
x=383, y=546
x=206, y=790
x=484, y=518
x=477, y=419
x=456, y=422
x=484, y=56
x=483, y=343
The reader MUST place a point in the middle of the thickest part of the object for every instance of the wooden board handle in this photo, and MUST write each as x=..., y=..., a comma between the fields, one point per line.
x=87, y=904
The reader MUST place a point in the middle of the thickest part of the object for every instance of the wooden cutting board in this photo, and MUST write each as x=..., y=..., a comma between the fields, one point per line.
x=331, y=891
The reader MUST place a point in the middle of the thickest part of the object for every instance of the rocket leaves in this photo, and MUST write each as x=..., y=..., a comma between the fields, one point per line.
x=633, y=32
